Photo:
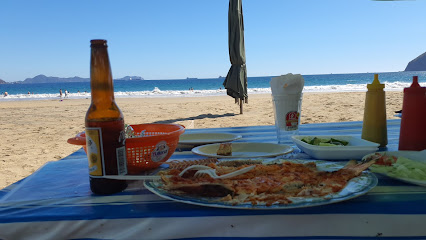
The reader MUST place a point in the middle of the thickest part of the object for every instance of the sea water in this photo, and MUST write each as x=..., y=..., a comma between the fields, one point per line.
x=395, y=81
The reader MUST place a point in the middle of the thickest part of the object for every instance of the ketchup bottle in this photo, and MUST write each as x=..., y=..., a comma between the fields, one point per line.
x=412, y=135
x=374, y=126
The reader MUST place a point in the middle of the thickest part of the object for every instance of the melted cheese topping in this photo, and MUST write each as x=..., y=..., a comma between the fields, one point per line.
x=265, y=184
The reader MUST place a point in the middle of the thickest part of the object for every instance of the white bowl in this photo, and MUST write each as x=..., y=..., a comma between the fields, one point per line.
x=356, y=148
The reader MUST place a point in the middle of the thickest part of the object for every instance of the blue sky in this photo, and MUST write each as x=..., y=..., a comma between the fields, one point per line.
x=175, y=39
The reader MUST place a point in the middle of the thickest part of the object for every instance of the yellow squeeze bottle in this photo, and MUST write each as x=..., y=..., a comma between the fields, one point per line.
x=374, y=126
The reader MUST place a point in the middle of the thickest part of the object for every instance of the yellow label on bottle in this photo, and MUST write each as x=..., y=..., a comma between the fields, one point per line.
x=94, y=151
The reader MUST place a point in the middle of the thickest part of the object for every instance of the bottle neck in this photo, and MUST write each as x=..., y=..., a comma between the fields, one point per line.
x=101, y=82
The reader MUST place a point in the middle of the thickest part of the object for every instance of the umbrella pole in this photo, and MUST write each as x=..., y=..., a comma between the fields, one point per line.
x=241, y=106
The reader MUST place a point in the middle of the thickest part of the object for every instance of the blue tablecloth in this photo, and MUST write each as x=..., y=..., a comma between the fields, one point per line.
x=56, y=203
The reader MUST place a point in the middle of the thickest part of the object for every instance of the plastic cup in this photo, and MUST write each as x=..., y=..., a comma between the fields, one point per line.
x=287, y=112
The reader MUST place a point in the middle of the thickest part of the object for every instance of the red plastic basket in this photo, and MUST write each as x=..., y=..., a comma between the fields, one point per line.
x=150, y=151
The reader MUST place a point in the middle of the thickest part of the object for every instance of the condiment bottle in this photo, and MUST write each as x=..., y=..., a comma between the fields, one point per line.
x=412, y=135
x=105, y=135
x=374, y=126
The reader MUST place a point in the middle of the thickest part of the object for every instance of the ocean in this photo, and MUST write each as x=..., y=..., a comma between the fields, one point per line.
x=356, y=82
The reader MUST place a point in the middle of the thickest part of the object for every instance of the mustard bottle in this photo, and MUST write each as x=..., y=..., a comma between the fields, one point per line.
x=374, y=126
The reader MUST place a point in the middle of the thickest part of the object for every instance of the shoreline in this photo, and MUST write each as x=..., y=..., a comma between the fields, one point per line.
x=35, y=132
x=181, y=94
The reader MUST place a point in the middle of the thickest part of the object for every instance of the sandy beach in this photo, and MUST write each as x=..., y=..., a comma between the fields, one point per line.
x=35, y=132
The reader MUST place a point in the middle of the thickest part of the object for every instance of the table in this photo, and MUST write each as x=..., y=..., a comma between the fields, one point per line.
x=55, y=203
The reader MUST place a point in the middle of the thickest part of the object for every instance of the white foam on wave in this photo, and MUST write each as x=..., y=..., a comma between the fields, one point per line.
x=43, y=96
x=156, y=92
x=389, y=86
x=170, y=93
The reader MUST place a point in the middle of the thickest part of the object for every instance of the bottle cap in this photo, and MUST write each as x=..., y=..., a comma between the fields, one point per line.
x=98, y=42
x=375, y=85
x=415, y=87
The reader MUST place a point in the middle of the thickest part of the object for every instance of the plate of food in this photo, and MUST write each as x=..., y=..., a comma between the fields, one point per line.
x=191, y=140
x=242, y=150
x=335, y=147
x=406, y=166
x=265, y=184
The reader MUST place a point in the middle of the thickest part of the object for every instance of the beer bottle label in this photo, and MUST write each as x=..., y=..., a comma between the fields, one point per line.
x=95, y=151
x=121, y=160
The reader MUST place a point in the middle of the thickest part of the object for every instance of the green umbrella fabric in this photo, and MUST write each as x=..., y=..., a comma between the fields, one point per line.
x=236, y=79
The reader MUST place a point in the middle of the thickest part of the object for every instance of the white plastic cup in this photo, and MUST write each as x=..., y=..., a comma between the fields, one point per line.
x=287, y=112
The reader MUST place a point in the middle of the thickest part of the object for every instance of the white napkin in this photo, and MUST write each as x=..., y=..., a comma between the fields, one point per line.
x=287, y=84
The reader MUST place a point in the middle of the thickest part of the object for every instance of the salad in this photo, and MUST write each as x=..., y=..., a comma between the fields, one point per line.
x=399, y=167
x=324, y=141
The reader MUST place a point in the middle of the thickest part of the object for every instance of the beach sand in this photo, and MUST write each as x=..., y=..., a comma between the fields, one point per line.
x=35, y=132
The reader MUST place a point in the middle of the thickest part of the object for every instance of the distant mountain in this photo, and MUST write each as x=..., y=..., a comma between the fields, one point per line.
x=44, y=79
x=2, y=82
x=417, y=64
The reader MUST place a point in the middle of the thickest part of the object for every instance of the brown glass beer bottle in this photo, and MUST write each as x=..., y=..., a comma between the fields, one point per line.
x=105, y=136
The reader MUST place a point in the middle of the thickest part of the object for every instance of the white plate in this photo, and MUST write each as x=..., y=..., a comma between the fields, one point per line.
x=190, y=140
x=204, y=138
x=244, y=150
x=419, y=156
x=356, y=187
x=356, y=149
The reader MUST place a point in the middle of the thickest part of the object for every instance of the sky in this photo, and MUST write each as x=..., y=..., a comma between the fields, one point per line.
x=176, y=39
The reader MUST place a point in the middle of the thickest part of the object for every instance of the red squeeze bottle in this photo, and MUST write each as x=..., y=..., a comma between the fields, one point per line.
x=412, y=135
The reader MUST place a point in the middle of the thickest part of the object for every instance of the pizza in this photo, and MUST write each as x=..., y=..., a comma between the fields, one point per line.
x=265, y=184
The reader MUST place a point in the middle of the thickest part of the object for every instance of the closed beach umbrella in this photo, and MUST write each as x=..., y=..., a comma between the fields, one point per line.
x=236, y=79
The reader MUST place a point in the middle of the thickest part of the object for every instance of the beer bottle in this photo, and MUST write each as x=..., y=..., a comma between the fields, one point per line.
x=105, y=135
